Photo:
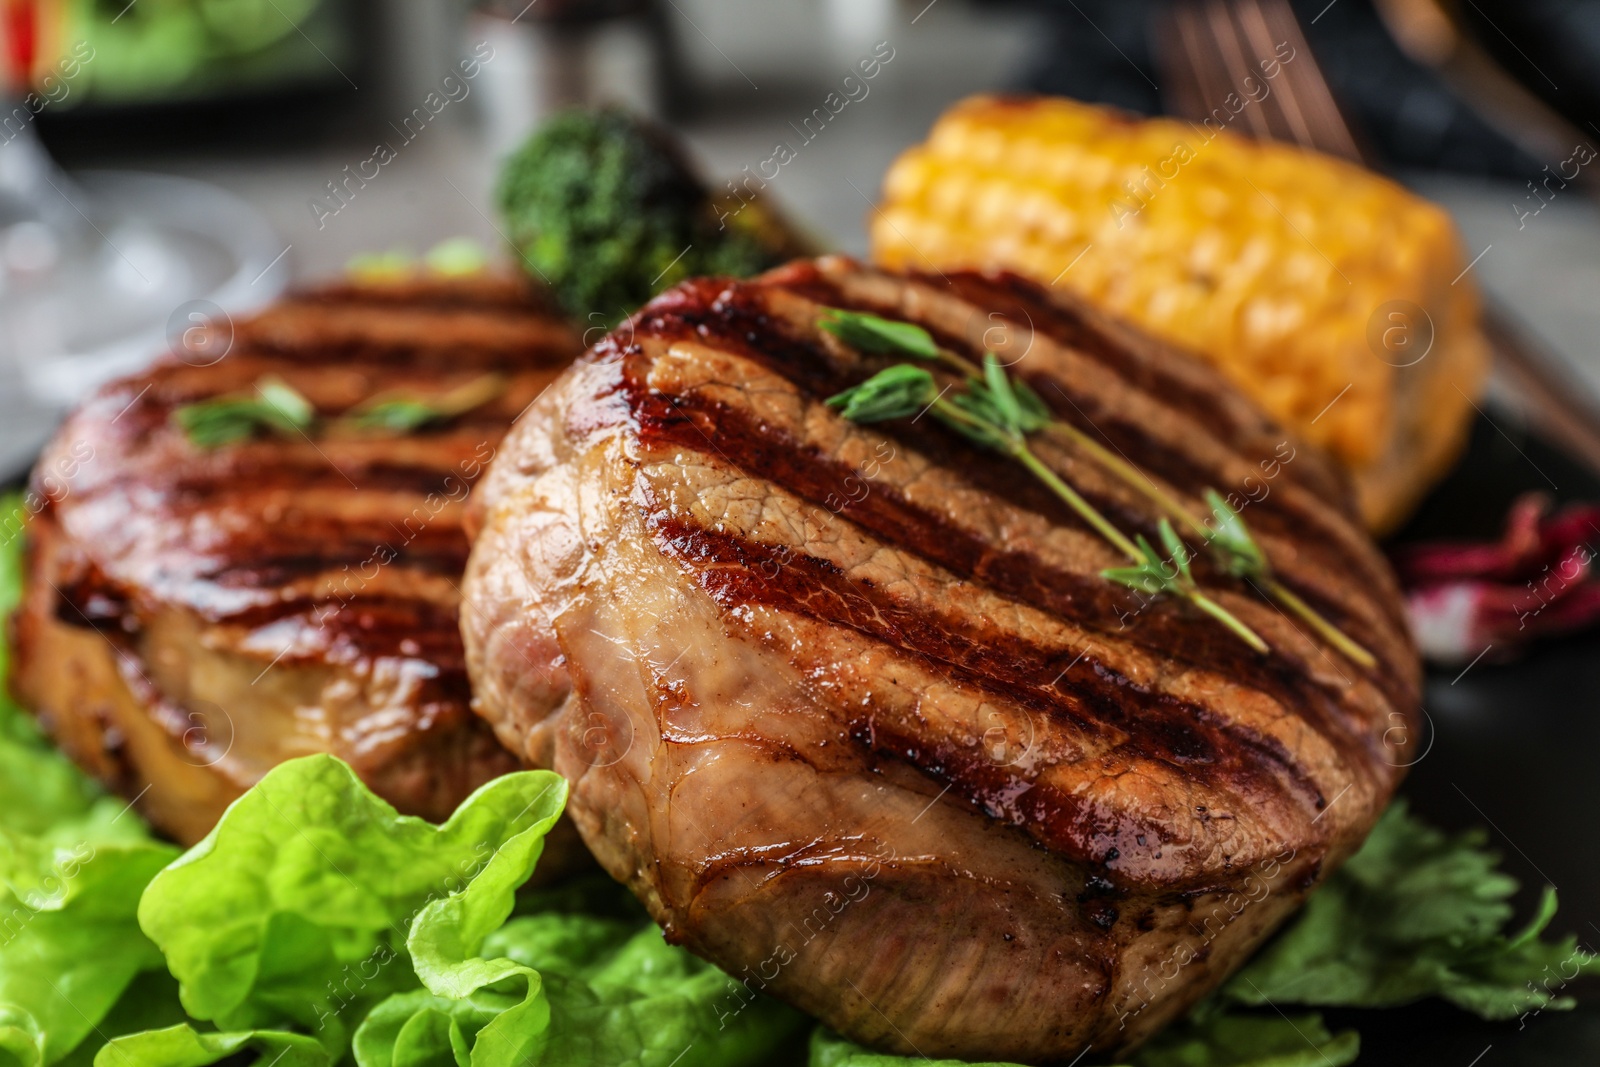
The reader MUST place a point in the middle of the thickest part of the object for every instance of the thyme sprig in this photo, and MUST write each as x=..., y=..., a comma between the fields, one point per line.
x=1243, y=558
x=1226, y=537
x=274, y=406
x=277, y=407
x=400, y=413
x=873, y=333
x=1155, y=575
x=991, y=412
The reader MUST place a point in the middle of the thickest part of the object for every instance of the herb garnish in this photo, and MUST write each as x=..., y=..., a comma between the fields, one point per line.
x=277, y=407
x=871, y=333
x=1155, y=576
x=1227, y=537
x=1240, y=556
x=399, y=413
x=226, y=420
x=993, y=413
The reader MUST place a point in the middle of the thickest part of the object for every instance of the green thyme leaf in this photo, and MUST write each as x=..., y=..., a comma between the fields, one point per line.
x=396, y=416
x=1238, y=554
x=457, y=257
x=215, y=423
x=391, y=266
x=1136, y=578
x=228, y=420
x=971, y=417
x=401, y=413
x=897, y=392
x=1034, y=410
x=1020, y=408
x=1231, y=542
x=1177, y=551
x=999, y=389
x=976, y=414
x=1146, y=576
x=282, y=407
x=872, y=333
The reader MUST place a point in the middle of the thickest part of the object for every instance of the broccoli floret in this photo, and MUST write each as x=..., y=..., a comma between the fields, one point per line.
x=602, y=207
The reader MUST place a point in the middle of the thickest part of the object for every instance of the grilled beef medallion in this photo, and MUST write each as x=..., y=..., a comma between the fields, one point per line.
x=195, y=615
x=852, y=709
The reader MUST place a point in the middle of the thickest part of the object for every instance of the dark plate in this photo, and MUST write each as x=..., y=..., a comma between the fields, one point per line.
x=1512, y=748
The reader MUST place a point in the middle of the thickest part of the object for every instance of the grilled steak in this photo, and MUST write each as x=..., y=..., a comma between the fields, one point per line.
x=850, y=707
x=194, y=617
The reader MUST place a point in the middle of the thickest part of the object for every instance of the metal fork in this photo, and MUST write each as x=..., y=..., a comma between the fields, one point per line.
x=1207, y=48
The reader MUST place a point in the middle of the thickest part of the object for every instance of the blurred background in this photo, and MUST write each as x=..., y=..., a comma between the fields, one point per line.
x=173, y=158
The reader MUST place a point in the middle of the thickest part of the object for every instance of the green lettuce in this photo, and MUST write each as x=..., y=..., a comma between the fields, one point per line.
x=295, y=909
x=620, y=994
x=72, y=865
x=557, y=988
x=1209, y=1039
x=184, y=1046
x=315, y=913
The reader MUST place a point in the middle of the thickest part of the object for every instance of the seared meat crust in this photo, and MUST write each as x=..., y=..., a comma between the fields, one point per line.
x=194, y=617
x=850, y=708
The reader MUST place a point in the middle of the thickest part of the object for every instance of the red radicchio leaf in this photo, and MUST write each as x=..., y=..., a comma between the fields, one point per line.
x=1465, y=598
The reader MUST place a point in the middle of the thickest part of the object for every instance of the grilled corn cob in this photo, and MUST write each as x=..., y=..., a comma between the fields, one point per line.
x=1329, y=294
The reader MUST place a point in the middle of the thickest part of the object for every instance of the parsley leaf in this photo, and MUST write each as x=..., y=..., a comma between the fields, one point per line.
x=1416, y=913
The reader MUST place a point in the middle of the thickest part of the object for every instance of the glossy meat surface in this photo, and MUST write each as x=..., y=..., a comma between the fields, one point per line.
x=850, y=707
x=193, y=617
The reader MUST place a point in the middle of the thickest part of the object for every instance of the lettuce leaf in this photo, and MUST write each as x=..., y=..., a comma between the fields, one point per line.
x=1211, y=1039
x=558, y=988
x=620, y=994
x=294, y=909
x=72, y=865
x=418, y=1029
x=1416, y=913
x=1234, y=1039
x=71, y=942
x=184, y=1046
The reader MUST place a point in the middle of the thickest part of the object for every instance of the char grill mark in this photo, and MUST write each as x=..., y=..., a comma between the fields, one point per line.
x=276, y=568
x=332, y=557
x=441, y=338
x=735, y=322
x=245, y=553
x=1077, y=687
x=280, y=465
x=1086, y=601
x=1014, y=303
x=1018, y=304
